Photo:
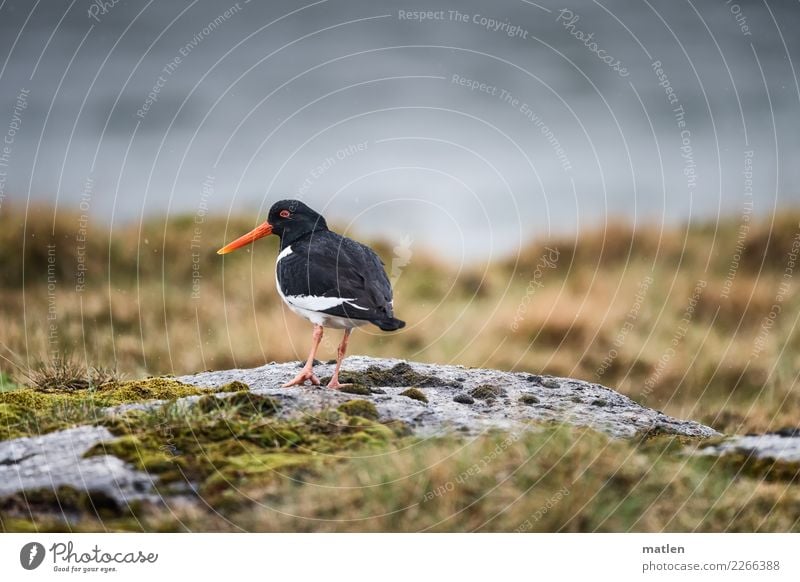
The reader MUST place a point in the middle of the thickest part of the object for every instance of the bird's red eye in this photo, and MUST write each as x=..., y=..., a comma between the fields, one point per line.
x=284, y=213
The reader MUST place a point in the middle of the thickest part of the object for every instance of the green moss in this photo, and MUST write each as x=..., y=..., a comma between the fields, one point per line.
x=415, y=394
x=397, y=376
x=362, y=408
x=240, y=467
x=599, y=402
x=9, y=416
x=235, y=386
x=763, y=469
x=528, y=399
x=60, y=501
x=359, y=389
x=486, y=392
x=240, y=441
x=463, y=399
x=31, y=412
x=160, y=388
x=26, y=412
x=399, y=428
x=145, y=455
x=27, y=399
x=245, y=403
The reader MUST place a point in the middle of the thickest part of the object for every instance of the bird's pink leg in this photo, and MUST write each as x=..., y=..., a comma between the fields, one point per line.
x=307, y=373
x=334, y=383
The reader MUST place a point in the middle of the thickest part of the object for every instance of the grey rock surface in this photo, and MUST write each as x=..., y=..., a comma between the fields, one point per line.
x=56, y=459
x=522, y=400
x=765, y=446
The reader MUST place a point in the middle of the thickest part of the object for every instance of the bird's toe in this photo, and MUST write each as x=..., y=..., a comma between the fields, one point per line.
x=337, y=385
x=301, y=378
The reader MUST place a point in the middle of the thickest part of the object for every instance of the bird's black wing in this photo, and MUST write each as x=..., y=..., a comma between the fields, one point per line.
x=328, y=265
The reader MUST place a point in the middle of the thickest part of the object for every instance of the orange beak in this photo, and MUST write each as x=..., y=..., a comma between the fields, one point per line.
x=255, y=234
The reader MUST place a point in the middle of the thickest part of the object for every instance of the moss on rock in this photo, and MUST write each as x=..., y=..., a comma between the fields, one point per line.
x=360, y=389
x=32, y=412
x=486, y=392
x=245, y=403
x=60, y=501
x=235, y=386
x=397, y=376
x=415, y=394
x=232, y=441
x=159, y=388
x=362, y=408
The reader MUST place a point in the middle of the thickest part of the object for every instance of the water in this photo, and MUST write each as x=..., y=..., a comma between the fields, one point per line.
x=472, y=130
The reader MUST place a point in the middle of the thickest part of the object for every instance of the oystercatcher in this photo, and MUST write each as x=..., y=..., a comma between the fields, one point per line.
x=329, y=279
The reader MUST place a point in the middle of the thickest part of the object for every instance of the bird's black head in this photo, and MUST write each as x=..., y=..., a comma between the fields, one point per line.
x=289, y=219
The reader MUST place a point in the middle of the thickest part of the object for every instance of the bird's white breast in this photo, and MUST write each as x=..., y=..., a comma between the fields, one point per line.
x=310, y=306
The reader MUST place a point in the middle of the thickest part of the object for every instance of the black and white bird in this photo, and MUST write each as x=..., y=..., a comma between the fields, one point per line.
x=329, y=279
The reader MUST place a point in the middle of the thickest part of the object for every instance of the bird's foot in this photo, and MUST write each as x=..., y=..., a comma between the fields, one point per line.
x=336, y=385
x=301, y=378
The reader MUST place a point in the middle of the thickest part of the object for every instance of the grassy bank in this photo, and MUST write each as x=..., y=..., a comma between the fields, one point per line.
x=682, y=319
x=233, y=465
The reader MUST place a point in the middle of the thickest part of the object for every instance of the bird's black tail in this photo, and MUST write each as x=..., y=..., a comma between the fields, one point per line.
x=390, y=324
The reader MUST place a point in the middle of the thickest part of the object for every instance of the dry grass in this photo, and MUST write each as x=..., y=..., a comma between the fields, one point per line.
x=66, y=375
x=140, y=313
x=557, y=480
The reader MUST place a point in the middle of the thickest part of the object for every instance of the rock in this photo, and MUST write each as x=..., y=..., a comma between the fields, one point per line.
x=455, y=398
x=774, y=446
x=56, y=460
x=507, y=398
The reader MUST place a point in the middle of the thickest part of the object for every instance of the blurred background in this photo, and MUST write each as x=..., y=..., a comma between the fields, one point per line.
x=606, y=190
